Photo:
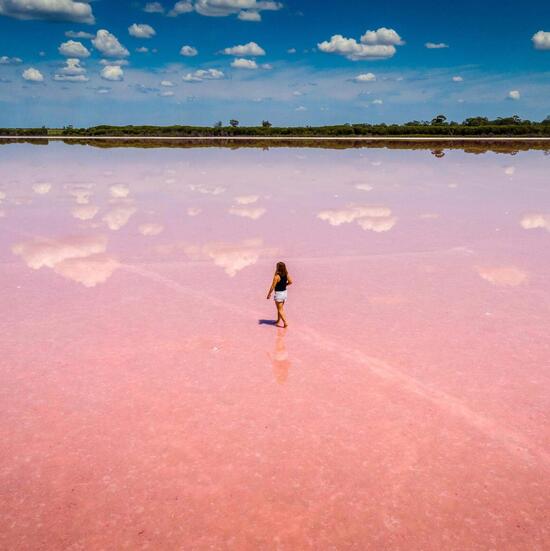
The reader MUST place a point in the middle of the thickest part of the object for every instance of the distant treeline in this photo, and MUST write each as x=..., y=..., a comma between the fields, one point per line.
x=438, y=126
x=43, y=131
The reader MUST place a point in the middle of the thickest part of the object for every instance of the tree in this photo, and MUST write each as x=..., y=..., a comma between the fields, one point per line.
x=218, y=124
x=266, y=124
x=546, y=120
x=476, y=121
x=439, y=119
x=234, y=123
x=508, y=120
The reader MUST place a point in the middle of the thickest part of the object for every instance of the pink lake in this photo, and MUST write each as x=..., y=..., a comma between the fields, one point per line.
x=147, y=404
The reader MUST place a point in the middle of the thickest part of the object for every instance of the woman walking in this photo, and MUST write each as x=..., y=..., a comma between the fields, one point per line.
x=279, y=284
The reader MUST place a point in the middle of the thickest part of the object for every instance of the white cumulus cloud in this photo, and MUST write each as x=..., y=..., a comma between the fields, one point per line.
x=379, y=44
x=248, y=212
x=81, y=194
x=537, y=220
x=377, y=224
x=541, y=40
x=84, y=212
x=207, y=190
x=81, y=259
x=246, y=199
x=457, y=79
x=188, y=51
x=5, y=60
x=183, y=6
x=112, y=72
x=249, y=15
x=119, y=191
x=231, y=257
x=142, y=30
x=243, y=8
x=514, y=94
x=119, y=62
x=119, y=217
x=72, y=48
x=153, y=7
x=78, y=34
x=373, y=218
x=383, y=36
x=364, y=187
x=503, y=276
x=88, y=271
x=250, y=49
x=193, y=211
x=42, y=188
x=150, y=229
x=46, y=253
x=72, y=71
x=436, y=45
x=203, y=74
x=365, y=77
x=108, y=44
x=33, y=75
x=242, y=63
x=53, y=10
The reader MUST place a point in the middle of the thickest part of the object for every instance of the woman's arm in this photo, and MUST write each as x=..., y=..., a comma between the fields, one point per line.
x=276, y=279
x=288, y=280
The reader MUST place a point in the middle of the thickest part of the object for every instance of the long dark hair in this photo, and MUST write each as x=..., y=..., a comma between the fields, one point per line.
x=281, y=270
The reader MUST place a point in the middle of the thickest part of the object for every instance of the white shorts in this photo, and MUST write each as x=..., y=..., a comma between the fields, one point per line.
x=280, y=296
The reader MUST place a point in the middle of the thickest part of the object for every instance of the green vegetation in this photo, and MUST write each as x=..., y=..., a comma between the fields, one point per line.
x=43, y=131
x=438, y=126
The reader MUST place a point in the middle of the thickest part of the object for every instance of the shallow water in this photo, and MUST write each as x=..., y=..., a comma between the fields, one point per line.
x=148, y=402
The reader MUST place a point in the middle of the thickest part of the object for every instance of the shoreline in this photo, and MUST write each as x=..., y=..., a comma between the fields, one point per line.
x=298, y=138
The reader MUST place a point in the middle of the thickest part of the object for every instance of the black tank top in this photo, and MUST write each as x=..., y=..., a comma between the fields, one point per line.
x=281, y=285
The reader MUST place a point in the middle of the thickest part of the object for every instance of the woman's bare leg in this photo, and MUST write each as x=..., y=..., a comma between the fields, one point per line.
x=281, y=313
x=278, y=313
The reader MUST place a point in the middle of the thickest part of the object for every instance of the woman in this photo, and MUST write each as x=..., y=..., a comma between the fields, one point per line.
x=280, y=281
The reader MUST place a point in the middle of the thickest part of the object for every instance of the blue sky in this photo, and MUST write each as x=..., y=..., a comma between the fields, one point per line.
x=293, y=62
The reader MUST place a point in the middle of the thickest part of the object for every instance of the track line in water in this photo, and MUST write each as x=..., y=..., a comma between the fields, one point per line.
x=512, y=441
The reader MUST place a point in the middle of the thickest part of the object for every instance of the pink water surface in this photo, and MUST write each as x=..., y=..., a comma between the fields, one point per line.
x=146, y=405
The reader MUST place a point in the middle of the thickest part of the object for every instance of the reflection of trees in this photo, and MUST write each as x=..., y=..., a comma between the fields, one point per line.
x=509, y=147
x=37, y=141
x=438, y=153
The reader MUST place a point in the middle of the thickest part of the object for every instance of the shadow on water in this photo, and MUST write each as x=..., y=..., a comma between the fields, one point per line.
x=267, y=322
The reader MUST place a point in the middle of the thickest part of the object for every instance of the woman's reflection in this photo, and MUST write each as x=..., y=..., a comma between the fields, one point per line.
x=279, y=358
